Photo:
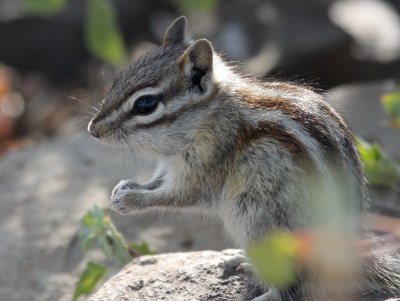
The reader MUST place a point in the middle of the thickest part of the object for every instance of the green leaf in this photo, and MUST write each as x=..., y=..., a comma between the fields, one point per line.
x=378, y=167
x=91, y=227
x=88, y=279
x=44, y=7
x=391, y=104
x=102, y=35
x=188, y=6
x=120, y=250
x=96, y=226
x=142, y=248
x=274, y=259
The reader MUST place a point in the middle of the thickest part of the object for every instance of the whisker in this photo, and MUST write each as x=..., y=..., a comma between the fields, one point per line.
x=77, y=99
x=127, y=143
x=69, y=97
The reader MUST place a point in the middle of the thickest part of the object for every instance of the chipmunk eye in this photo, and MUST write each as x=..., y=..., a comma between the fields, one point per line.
x=146, y=104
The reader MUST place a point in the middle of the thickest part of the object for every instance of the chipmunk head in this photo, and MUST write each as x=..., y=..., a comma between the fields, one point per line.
x=158, y=100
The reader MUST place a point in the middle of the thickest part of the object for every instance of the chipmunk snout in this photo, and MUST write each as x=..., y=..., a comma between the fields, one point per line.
x=92, y=129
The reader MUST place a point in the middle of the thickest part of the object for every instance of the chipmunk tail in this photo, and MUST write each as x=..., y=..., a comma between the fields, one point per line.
x=381, y=267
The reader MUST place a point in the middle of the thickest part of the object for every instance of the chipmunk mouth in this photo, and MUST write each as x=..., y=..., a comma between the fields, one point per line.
x=116, y=138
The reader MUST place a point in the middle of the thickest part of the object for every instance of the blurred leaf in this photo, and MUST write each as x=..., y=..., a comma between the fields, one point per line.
x=95, y=225
x=274, y=258
x=119, y=248
x=391, y=104
x=106, y=245
x=102, y=35
x=44, y=7
x=378, y=167
x=90, y=227
x=88, y=279
x=188, y=6
x=141, y=249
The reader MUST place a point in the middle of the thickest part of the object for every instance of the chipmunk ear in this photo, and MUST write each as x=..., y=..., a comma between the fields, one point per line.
x=176, y=32
x=197, y=62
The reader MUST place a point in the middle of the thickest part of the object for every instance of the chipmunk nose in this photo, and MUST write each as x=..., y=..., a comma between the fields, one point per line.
x=92, y=130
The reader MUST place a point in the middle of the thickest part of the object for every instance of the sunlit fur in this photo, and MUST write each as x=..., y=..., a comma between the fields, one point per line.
x=233, y=147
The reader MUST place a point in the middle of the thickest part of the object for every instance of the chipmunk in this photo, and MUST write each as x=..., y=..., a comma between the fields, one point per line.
x=229, y=145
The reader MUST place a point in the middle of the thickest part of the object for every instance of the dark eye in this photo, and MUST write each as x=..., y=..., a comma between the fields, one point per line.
x=145, y=105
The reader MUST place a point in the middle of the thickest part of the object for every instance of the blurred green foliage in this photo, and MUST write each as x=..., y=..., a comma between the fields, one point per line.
x=88, y=279
x=44, y=7
x=391, y=105
x=378, y=167
x=102, y=35
x=274, y=258
x=142, y=249
x=96, y=226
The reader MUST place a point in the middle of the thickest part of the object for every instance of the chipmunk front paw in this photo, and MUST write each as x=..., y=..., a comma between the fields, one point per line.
x=126, y=197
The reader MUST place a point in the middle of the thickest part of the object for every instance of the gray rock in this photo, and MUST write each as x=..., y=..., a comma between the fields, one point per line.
x=192, y=276
x=177, y=276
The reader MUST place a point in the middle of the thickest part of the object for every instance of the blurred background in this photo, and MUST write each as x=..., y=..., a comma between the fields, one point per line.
x=58, y=59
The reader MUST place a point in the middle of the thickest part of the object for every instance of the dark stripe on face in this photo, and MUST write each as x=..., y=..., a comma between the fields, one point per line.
x=115, y=99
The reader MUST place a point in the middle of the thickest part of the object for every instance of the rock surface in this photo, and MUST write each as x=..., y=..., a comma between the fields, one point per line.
x=191, y=276
x=178, y=276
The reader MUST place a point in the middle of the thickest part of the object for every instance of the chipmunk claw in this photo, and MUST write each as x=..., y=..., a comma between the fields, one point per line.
x=119, y=205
